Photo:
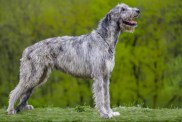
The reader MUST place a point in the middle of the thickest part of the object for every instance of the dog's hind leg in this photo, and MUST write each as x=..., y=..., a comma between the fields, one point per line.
x=38, y=80
x=14, y=95
x=31, y=76
x=23, y=105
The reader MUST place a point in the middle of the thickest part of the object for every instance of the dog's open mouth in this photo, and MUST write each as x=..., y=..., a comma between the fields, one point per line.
x=130, y=22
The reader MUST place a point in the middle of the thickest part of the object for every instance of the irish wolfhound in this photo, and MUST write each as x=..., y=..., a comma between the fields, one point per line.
x=90, y=56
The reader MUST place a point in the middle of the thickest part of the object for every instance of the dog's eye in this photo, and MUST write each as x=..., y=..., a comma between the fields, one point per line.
x=123, y=9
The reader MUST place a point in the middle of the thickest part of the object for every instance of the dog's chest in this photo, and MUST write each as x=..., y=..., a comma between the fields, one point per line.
x=110, y=64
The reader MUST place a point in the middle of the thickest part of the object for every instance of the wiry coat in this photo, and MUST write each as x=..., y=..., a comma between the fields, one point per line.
x=90, y=56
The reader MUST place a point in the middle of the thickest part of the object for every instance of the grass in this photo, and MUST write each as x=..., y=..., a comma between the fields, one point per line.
x=86, y=114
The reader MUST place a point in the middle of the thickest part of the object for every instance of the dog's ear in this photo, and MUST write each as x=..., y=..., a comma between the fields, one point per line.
x=108, y=17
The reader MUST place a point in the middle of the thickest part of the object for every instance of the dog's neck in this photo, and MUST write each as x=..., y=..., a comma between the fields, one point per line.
x=109, y=31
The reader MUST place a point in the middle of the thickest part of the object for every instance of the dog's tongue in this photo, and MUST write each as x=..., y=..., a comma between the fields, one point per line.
x=132, y=22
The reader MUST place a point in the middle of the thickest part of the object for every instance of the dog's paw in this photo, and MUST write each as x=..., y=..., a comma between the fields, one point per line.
x=110, y=111
x=28, y=107
x=115, y=113
x=11, y=112
x=106, y=115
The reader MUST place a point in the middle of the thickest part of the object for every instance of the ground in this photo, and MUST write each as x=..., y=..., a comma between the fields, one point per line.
x=86, y=114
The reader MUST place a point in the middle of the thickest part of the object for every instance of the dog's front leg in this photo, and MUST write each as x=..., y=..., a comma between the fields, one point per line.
x=98, y=91
x=107, y=98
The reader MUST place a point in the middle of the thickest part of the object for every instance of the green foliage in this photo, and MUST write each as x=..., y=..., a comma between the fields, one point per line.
x=80, y=108
x=173, y=85
x=148, y=62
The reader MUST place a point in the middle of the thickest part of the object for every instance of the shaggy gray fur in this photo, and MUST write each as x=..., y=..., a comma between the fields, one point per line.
x=90, y=56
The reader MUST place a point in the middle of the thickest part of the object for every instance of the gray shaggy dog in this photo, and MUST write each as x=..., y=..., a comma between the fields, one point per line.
x=90, y=56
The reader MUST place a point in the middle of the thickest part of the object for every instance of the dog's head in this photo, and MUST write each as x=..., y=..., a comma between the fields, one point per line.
x=124, y=16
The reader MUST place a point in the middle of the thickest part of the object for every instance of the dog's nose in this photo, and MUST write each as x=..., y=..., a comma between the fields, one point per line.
x=138, y=10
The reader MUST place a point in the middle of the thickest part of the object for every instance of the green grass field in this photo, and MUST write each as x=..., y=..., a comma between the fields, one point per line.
x=85, y=114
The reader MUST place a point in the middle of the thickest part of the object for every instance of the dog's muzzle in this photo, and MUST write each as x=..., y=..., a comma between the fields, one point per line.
x=131, y=22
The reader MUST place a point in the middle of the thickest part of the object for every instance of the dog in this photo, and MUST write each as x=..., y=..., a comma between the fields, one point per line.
x=90, y=56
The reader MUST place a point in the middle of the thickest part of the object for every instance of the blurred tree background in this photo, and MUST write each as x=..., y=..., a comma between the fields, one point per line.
x=148, y=62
